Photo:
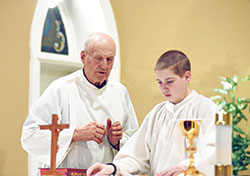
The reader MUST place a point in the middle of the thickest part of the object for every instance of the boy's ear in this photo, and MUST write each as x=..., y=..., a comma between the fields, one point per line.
x=188, y=76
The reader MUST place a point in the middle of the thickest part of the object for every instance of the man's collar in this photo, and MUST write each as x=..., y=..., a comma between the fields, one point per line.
x=97, y=86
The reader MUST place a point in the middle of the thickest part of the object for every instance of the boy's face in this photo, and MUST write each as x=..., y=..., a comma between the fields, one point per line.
x=172, y=86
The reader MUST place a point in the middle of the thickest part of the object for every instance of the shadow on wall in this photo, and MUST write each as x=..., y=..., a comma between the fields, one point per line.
x=2, y=161
x=214, y=73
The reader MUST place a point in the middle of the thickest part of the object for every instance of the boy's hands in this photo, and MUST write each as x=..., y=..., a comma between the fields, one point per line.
x=172, y=171
x=100, y=169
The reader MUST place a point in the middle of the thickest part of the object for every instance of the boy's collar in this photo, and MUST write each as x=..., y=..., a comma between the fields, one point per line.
x=185, y=100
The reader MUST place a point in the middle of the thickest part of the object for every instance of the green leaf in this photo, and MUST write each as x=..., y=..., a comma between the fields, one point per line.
x=232, y=108
x=237, y=129
x=222, y=78
x=242, y=116
x=248, y=132
x=230, y=103
x=241, y=168
x=217, y=97
x=235, y=78
x=247, y=78
x=227, y=86
x=248, y=161
x=237, y=120
x=220, y=91
x=243, y=100
x=242, y=106
x=223, y=104
x=233, y=81
x=235, y=171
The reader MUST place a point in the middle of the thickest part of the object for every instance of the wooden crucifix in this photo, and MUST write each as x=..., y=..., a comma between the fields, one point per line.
x=55, y=129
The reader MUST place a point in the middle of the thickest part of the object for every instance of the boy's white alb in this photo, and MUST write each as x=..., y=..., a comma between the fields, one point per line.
x=159, y=143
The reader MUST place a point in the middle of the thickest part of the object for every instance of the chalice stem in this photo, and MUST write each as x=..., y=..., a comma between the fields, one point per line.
x=191, y=160
x=191, y=131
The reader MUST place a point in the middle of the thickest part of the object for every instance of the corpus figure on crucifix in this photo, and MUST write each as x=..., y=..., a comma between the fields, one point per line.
x=55, y=130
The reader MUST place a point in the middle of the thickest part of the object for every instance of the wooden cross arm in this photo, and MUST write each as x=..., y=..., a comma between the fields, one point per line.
x=60, y=127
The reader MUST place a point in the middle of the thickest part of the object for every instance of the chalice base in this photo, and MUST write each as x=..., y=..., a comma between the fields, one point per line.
x=191, y=171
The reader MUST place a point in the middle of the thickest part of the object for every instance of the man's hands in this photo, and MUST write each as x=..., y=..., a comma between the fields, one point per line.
x=94, y=131
x=114, y=131
x=91, y=131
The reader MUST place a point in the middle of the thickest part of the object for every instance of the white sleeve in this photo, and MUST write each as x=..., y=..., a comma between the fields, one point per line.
x=130, y=125
x=37, y=142
x=134, y=155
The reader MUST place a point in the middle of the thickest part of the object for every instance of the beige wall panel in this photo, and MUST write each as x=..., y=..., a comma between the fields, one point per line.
x=15, y=22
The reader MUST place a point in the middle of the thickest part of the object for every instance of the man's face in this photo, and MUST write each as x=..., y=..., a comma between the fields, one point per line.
x=98, y=62
x=173, y=87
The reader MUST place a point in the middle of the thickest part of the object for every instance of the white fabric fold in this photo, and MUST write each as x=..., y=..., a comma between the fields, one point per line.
x=77, y=102
x=160, y=144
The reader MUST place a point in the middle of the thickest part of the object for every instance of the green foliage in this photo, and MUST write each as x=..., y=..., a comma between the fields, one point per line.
x=228, y=100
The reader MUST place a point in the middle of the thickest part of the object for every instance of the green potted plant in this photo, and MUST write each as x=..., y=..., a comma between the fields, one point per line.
x=230, y=103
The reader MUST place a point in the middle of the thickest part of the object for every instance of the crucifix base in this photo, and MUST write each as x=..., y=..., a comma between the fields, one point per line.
x=53, y=173
x=63, y=172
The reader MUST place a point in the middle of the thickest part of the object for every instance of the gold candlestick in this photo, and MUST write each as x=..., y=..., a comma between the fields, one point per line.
x=190, y=130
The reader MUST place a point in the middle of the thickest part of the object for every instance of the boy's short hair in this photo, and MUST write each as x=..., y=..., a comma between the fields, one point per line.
x=174, y=60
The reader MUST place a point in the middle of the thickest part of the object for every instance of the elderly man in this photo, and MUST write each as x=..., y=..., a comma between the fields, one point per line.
x=99, y=111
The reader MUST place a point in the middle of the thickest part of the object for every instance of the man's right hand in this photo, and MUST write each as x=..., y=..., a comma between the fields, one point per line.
x=91, y=131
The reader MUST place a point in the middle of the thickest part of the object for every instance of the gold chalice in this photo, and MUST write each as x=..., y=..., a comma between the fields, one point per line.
x=190, y=130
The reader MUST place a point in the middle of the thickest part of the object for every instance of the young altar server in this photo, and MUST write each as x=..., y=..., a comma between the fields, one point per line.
x=159, y=145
